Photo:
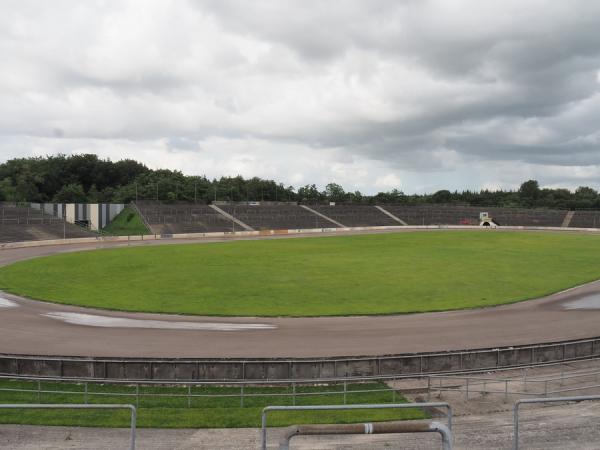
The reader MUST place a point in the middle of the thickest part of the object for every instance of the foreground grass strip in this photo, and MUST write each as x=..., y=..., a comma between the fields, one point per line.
x=215, y=412
x=345, y=275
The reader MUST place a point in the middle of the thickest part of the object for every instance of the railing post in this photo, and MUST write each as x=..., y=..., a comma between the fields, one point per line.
x=516, y=426
x=137, y=395
x=241, y=396
x=345, y=388
x=294, y=394
x=85, y=392
x=428, y=387
x=189, y=396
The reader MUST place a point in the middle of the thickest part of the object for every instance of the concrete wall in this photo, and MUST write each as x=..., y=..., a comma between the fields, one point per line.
x=297, y=369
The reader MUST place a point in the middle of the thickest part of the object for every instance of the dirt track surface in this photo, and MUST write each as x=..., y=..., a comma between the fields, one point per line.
x=28, y=327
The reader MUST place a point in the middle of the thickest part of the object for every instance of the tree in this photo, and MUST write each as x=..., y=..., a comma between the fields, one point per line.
x=443, y=196
x=71, y=193
x=529, y=193
x=309, y=193
x=334, y=192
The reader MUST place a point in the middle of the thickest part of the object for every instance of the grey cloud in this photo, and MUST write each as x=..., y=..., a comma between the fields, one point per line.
x=415, y=86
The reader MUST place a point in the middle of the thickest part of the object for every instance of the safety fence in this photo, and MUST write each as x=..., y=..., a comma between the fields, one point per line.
x=199, y=394
x=530, y=401
x=289, y=392
x=537, y=386
x=268, y=409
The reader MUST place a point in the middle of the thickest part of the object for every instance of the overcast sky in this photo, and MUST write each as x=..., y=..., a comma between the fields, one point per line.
x=374, y=95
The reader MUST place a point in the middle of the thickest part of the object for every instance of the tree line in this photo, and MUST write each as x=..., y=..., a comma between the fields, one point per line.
x=88, y=178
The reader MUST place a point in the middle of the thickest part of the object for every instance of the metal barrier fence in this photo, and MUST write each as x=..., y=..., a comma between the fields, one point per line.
x=348, y=407
x=545, y=385
x=185, y=390
x=518, y=403
x=367, y=428
x=131, y=408
x=467, y=383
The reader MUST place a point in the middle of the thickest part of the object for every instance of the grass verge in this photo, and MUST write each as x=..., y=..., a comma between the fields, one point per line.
x=127, y=223
x=197, y=412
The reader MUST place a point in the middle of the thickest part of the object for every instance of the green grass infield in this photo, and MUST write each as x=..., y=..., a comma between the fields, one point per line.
x=318, y=276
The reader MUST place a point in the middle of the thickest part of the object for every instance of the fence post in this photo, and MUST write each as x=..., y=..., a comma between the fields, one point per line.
x=294, y=394
x=137, y=395
x=345, y=388
x=467, y=390
x=189, y=398
x=241, y=396
x=393, y=392
x=39, y=391
x=85, y=392
x=428, y=387
x=505, y=391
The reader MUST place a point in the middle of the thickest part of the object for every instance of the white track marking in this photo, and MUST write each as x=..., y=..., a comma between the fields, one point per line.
x=93, y=320
x=587, y=302
x=6, y=303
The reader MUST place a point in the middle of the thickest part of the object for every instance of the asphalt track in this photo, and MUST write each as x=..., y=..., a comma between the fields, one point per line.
x=30, y=327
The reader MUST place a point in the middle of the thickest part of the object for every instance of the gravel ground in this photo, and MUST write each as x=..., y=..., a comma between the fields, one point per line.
x=572, y=426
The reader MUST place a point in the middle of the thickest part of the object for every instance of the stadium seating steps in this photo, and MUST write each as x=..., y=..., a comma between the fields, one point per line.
x=20, y=223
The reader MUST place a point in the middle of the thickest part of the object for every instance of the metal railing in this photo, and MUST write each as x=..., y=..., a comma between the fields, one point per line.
x=543, y=385
x=518, y=403
x=367, y=428
x=185, y=390
x=268, y=409
x=131, y=408
x=469, y=385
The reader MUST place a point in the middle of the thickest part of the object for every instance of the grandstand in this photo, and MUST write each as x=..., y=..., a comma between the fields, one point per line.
x=184, y=218
x=436, y=214
x=356, y=215
x=469, y=215
x=585, y=219
x=277, y=216
x=527, y=217
x=22, y=223
x=191, y=218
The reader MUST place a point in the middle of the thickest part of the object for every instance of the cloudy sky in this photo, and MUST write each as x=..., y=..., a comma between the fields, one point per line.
x=374, y=94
